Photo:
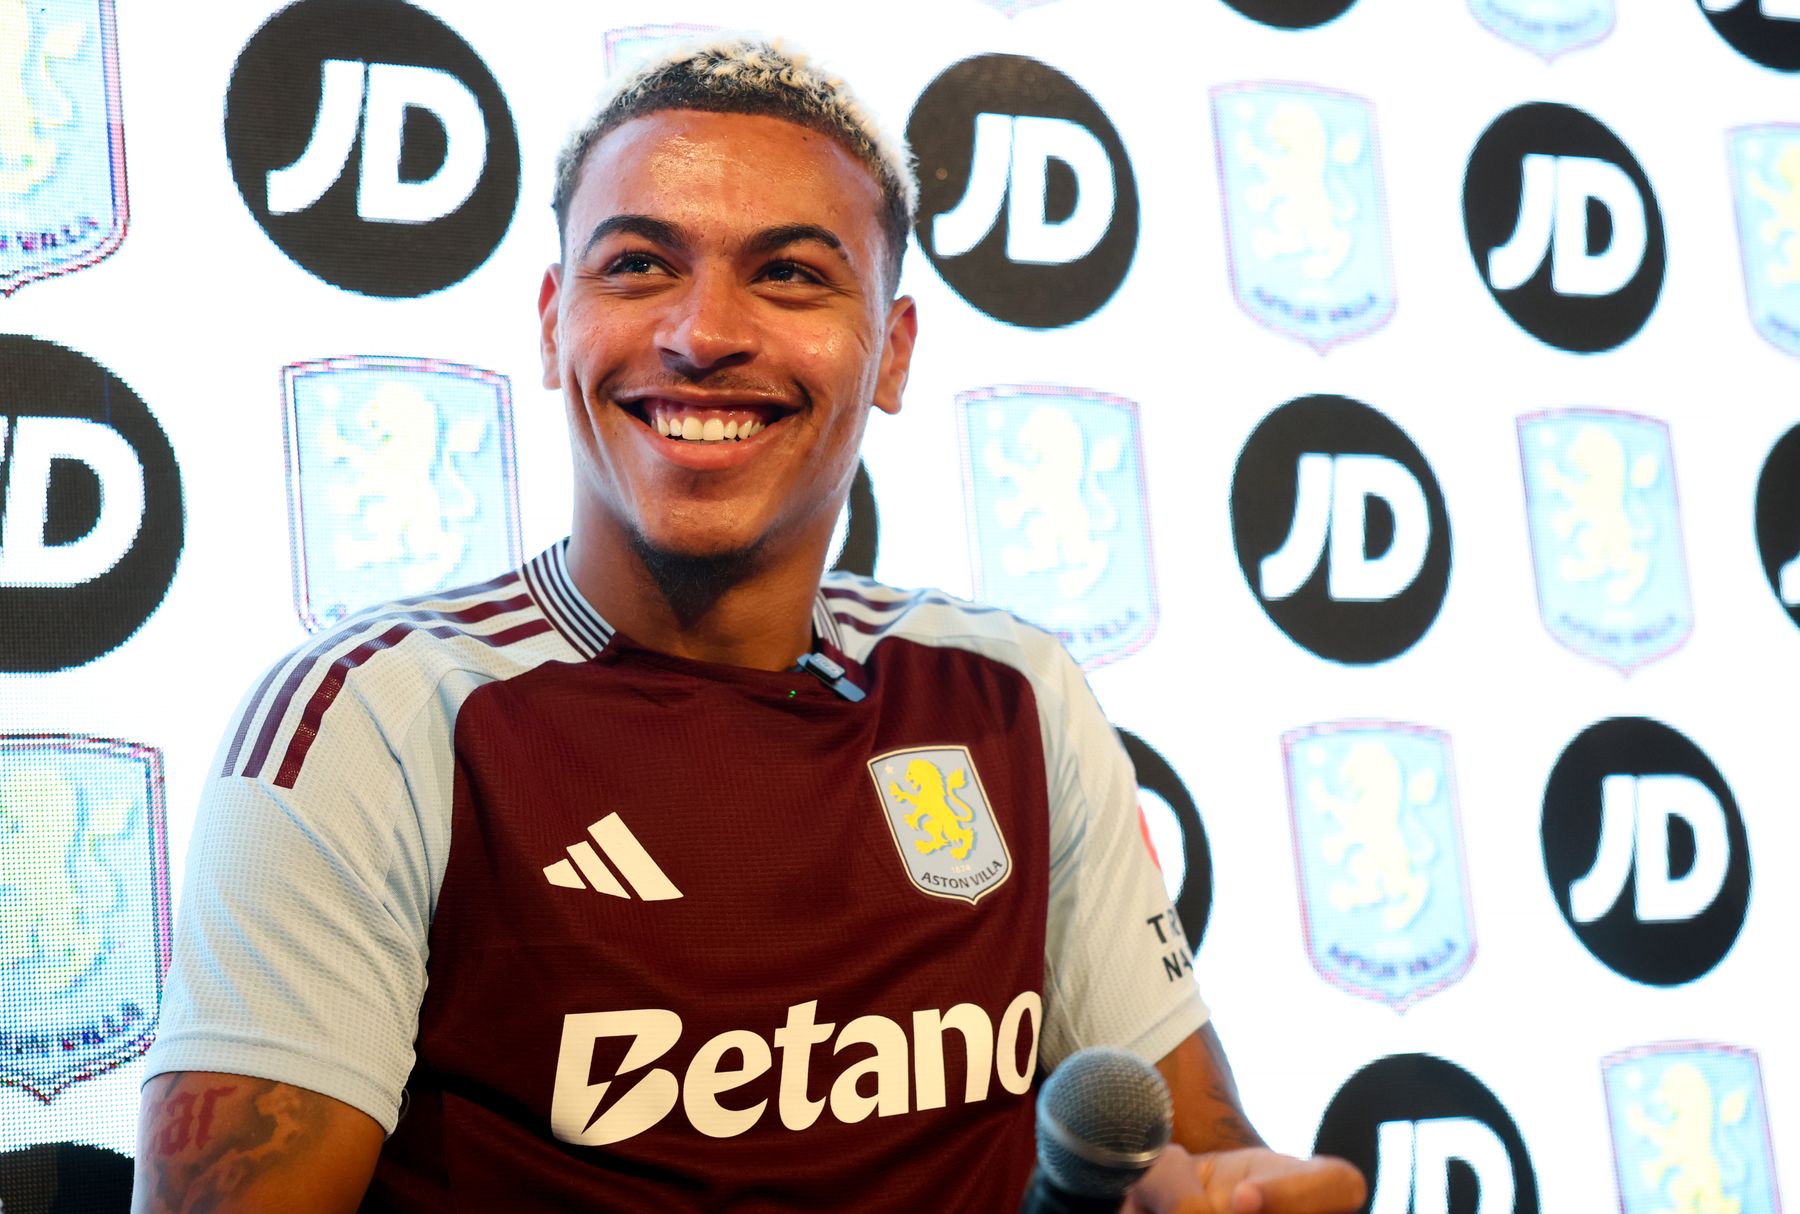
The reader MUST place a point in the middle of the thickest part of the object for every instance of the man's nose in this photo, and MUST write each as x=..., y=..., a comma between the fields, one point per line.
x=710, y=327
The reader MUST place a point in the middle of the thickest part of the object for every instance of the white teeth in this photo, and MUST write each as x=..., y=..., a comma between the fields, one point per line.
x=709, y=430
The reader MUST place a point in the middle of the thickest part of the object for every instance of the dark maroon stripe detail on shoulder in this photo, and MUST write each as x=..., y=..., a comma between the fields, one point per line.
x=862, y=626
x=838, y=592
x=243, y=729
x=326, y=693
x=265, y=738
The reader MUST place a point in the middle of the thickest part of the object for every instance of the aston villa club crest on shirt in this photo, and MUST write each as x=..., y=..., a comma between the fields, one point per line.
x=1059, y=531
x=1606, y=534
x=400, y=481
x=1305, y=214
x=1690, y=1130
x=632, y=47
x=84, y=907
x=943, y=826
x=62, y=143
x=1546, y=28
x=1765, y=179
x=1379, y=847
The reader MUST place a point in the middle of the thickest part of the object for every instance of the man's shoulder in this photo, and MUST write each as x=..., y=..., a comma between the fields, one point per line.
x=391, y=661
x=860, y=613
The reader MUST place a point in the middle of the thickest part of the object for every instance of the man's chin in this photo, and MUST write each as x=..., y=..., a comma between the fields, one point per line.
x=692, y=575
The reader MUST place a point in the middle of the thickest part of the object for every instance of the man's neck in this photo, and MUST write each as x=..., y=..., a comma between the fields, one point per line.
x=735, y=611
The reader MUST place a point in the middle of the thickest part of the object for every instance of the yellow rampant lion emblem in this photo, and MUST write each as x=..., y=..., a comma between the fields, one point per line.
x=936, y=809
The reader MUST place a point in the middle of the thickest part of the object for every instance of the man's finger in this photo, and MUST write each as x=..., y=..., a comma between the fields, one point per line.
x=1325, y=1185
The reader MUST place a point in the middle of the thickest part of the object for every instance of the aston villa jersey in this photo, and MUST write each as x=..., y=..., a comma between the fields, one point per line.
x=584, y=925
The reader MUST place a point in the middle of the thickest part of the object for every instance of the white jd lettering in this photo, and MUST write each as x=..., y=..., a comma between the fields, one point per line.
x=374, y=98
x=1412, y=1170
x=1634, y=824
x=991, y=1053
x=37, y=443
x=1010, y=164
x=1331, y=499
x=1554, y=192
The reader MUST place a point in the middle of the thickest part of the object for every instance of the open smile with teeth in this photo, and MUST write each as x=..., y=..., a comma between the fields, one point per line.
x=694, y=424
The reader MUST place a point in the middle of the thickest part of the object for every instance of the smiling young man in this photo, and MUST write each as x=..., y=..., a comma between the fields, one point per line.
x=668, y=872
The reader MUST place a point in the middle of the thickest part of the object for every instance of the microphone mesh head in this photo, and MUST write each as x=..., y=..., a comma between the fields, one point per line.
x=1101, y=1117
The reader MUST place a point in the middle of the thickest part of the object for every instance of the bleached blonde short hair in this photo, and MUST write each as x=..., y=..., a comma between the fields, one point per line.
x=740, y=75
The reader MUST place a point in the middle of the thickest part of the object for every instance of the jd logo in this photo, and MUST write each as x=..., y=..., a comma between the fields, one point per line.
x=1778, y=521
x=1430, y=1138
x=1547, y=28
x=1766, y=31
x=1645, y=851
x=90, y=508
x=1765, y=180
x=1689, y=1129
x=62, y=146
x=400, y=480
x=1564, y=227
x=1341, y=529
x=372, y=144
x=1027, y=202
x=1292, y=14
x=1178, y=842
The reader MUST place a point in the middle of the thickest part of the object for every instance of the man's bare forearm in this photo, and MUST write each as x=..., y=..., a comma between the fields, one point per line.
x=1208, y=1114
x=211, y=1142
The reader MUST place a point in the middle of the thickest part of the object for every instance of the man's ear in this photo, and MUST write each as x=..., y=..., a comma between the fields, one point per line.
x=896, y=354
x=549, y=310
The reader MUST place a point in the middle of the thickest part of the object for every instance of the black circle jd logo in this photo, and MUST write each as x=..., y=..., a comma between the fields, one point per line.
x=1564, y=227
x=1292, y=14
x=91, y=517
x=373, y=145
x=1027, y=203
x=1341, y=529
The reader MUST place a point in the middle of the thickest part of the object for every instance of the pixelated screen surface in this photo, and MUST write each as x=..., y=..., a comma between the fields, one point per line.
x=1392, y=407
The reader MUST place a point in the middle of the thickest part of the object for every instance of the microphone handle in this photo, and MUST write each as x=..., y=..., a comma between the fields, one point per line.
x=1044, y=1197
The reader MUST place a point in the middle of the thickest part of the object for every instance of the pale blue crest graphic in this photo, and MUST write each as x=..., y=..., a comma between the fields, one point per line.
x=84, y=908
x=1547, y=28
x=62, y=148
x=401, y=481
x=632, y=47
x=1305, y=213
x=1012, y=8
x=942, y=822
x=1690, y=1130
x=1378, y=843
x=1765, y=178
x=1606, y=534
x=1059, y=530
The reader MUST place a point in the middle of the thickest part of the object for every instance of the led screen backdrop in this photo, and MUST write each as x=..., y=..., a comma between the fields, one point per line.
x=1393, y=406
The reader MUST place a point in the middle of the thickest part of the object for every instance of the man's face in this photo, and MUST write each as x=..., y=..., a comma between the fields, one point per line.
x=719, y=328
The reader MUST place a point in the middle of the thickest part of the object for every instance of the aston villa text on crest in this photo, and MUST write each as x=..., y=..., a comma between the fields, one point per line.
x=74, y=232
x=965, y=883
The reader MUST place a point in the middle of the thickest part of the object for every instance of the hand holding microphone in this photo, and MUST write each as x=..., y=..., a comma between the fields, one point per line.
x=1103, y=1117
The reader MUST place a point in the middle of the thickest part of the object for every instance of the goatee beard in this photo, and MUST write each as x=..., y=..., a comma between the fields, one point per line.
x=691, y=583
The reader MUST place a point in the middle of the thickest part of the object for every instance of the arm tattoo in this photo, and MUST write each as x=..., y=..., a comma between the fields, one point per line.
x=1230, y=1128
x=204, y=1144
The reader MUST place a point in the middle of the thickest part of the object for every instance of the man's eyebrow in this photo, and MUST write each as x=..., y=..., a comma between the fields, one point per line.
x=770, y=239
x=656, y=231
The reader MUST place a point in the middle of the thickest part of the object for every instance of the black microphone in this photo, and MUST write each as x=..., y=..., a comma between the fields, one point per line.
x=1103, y=1117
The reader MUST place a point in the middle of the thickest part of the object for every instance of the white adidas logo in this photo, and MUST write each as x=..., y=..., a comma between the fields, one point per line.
x=628, y=855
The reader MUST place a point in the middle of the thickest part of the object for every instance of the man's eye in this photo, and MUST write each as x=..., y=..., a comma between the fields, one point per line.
x=789, y=271
x=631, y=263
